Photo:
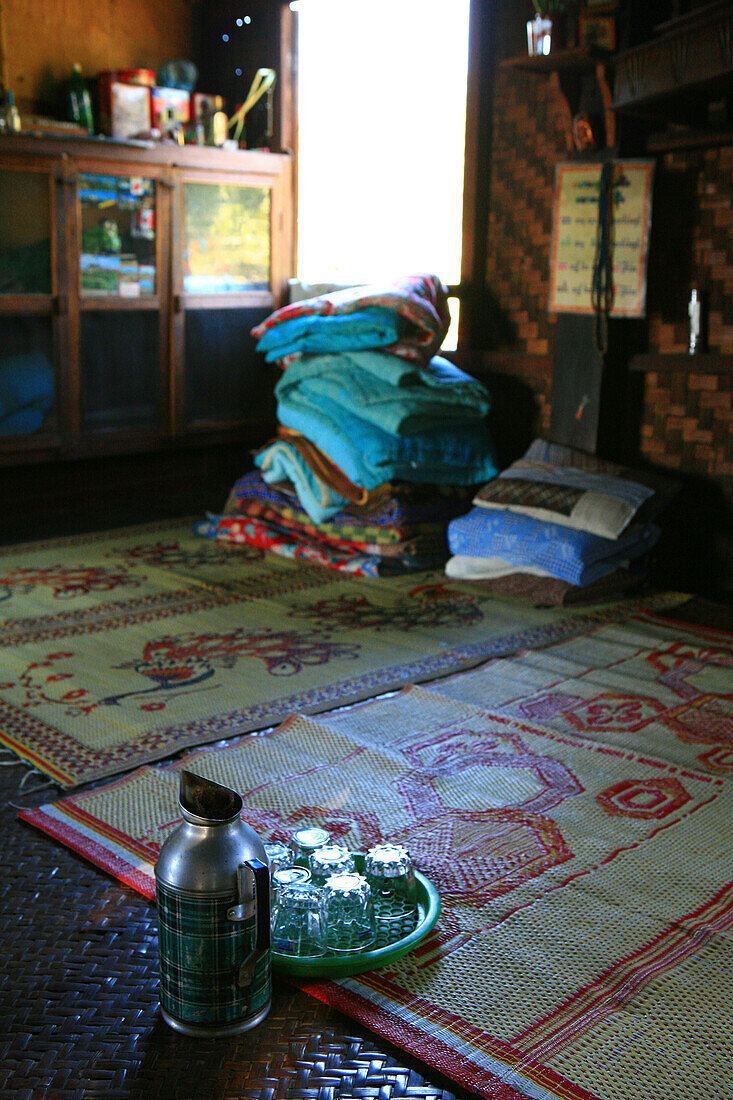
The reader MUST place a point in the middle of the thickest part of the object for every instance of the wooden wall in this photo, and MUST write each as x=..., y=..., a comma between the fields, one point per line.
x=41, y=39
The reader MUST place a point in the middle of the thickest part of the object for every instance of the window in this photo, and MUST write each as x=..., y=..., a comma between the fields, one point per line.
x=381, y=117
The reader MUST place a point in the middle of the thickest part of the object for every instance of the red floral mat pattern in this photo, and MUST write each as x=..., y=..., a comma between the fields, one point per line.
x=584, y=949
x=127, y=646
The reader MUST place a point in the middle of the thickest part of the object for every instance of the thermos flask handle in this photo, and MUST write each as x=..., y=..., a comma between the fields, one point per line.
x=261, y=879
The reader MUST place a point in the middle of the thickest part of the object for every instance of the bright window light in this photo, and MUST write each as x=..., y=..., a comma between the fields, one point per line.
x=382, y=114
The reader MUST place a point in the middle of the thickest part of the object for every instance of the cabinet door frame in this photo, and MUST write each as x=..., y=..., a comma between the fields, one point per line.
x=89, y=441
x=278, y=182
x=53, y=305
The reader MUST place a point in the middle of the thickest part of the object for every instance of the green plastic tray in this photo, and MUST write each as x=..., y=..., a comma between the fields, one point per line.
x=341, y=965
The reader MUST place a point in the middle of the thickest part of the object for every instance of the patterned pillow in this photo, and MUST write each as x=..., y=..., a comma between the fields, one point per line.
x=573, y=489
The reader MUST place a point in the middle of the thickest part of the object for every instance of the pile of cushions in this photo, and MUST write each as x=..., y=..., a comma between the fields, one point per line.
x=555, y=523
x=369, y=417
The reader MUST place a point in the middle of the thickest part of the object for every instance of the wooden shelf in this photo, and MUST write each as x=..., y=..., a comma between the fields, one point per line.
x=568, y=67
x=575, y=58
x=666, y=141
x=674, y=78
x=706, y=362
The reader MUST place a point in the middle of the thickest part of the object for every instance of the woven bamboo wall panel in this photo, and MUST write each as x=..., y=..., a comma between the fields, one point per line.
x=530, y=127
x=687, y=420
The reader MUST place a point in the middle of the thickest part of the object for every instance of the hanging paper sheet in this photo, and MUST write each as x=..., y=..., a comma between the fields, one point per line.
x=575, y=236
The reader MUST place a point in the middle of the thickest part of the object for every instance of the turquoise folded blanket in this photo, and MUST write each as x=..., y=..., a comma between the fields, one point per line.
x=451, y=454
x=418, y=302
x=367, y=328
x=26, y=392
x=391, y=393
x=281, y=461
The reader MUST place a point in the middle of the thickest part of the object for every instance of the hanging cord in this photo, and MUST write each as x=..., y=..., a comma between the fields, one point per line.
x=602, y=285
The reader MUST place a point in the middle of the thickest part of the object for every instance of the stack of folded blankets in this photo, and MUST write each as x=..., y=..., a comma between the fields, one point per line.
x=558, y=526
x=381, y=442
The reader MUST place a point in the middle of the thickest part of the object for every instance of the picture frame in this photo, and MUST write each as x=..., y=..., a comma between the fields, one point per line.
x=597, y=29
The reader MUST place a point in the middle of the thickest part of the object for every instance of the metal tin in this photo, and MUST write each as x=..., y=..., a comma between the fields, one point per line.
x=213, y=896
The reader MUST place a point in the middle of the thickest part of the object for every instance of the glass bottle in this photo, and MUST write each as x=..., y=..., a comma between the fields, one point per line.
x=80, y=101
x=12, y=117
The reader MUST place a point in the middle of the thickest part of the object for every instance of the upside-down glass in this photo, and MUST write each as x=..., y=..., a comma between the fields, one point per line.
x=278, y=855
x=307, y=840
x=285, y=876
x=348, y=913
x=332, y=859
x=389, y=871
x=298, y=922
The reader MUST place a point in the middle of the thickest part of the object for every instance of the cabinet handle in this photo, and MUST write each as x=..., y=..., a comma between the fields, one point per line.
x=177, y=303
x=61, y=304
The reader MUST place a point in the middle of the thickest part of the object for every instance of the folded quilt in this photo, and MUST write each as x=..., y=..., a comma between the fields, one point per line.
x=390, y=515
x=419, y=301
x=465, y=567
x=389, y=392
x=456, y=454
x=282, y=461
x=571, y=555
x=26, y=392
x=374, y=327
x=552, y=592
x=265, y=536
x=322, y=466
x=432, y=544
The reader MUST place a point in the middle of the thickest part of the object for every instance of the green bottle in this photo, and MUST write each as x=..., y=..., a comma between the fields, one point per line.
x=12, y=117
x=80, y=101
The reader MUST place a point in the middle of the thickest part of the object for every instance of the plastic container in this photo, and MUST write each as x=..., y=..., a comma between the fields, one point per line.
x=124, y=109
x=169, y=105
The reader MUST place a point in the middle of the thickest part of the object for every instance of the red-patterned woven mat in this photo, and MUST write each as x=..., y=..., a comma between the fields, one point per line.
x=579, y=827
x=128, y=646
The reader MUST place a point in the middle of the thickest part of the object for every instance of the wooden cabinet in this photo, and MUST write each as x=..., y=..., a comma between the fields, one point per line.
x=130, y=278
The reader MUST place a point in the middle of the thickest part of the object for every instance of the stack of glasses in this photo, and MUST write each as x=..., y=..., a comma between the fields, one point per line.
x=321, y=904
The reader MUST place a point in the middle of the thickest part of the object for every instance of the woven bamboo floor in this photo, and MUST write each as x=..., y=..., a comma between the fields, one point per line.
x=79, y=1012
x=79, y=1015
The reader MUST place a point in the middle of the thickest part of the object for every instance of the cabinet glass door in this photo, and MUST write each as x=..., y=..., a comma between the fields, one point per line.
x=117, y=236
x=226, y=247
x=27, y=376
x=120, y=320
x=226, y=283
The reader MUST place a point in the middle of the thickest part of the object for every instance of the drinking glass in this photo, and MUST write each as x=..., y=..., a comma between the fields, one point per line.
x=332, y=859
x=278, y=855
x=285, y=876
x=307, y=840
x=389, y=871
x=297, y=921
x=348, y=913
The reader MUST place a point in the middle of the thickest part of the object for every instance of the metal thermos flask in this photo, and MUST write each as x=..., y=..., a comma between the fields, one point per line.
x=213, y=896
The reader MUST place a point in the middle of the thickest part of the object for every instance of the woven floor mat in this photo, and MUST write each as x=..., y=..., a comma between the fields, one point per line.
x=79, y=1014
x=584, y=949
x=128, y=646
